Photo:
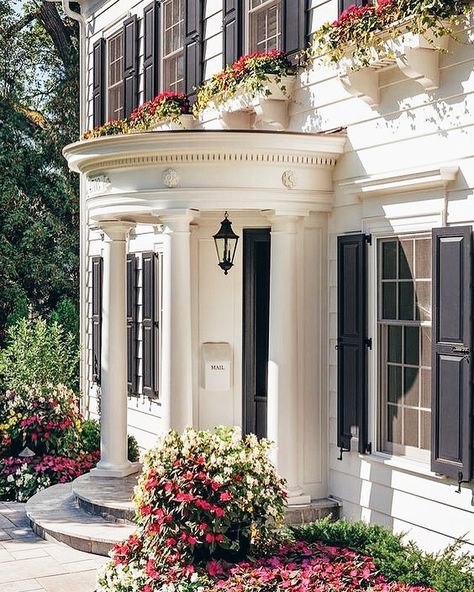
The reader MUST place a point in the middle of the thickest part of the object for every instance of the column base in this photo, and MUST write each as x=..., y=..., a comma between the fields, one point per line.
x=116, y=472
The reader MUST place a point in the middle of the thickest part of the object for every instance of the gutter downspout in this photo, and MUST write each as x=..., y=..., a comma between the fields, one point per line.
x=83, y=214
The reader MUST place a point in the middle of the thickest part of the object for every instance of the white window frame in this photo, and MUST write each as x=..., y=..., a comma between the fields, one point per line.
x=179, y=84
x=378, y=228
x=109, y=38
x=249, y=41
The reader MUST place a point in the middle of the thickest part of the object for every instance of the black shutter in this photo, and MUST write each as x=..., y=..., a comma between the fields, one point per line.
x=294, y=25
x=451, y=395
x=130, y=65
x=232, y=30
x=150, y=327
x=132, y=324
x=345, y=4
x=151, y=16
x=352, y=341
x=98, y=82
x=192, y=45
x=97, y=274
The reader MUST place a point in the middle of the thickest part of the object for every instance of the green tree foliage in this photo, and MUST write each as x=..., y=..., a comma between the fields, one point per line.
x=38, y=353
x=39, y=204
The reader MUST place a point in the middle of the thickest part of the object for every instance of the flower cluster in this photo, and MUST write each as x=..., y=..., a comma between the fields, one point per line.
x=20, y=478
x=365, y=28
x=248, y=74
x=203, y=497
x=165, y=107
x=44, y=418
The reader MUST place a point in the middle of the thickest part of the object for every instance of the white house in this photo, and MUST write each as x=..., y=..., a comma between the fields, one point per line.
x=344, y=329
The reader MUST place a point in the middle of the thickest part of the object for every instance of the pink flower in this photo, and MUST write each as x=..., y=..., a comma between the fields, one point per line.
x=225, y=496
x=214, y=568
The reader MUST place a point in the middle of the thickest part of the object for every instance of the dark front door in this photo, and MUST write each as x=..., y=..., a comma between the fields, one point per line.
x=256, y=299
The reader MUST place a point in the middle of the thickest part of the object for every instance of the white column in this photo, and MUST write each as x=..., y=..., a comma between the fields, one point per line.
x=177, y=335
x=283, y=355
x=113, y=417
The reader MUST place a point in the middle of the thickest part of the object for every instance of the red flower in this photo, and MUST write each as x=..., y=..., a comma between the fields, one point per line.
x=192, y=540
x=226, y=496
x=171, y=542
x=203, y=526
x=209, y=537
x=219, y=537
x=219, y=512
x=214, y=568
x=151, y=570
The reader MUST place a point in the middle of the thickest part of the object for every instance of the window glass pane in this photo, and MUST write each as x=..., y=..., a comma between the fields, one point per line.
x=425, y=388
x=411, y=387
x=426, y=346
x=411, y=427
x=405, y=260
x=423, y=258
x=394, y=344
x=389, y=260
x=425, y=442
x=405, y=301
x=412, y=346
x=394, y=424
x=389, y=300
x=423, y=301
x=265, y=25
x=394, y=384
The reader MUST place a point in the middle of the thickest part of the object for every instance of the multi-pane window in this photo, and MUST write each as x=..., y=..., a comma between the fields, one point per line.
x=265, y=25
x=173, y=45
x=115, y=107
x=404, y=320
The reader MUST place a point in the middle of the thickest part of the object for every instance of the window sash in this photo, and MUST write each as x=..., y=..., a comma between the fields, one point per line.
x=403, y=367
x=269, y=40
x=173, y=45
x=115, y=96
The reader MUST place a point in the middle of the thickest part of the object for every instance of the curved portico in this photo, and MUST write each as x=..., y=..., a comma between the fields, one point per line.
x=172, y=180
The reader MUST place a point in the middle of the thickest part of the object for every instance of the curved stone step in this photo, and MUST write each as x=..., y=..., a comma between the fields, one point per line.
x=55, y=514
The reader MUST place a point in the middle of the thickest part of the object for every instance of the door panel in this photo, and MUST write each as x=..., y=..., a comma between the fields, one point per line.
x=256, y=310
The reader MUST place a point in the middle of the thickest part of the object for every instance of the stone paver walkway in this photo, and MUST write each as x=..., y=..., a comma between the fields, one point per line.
x=30, y=564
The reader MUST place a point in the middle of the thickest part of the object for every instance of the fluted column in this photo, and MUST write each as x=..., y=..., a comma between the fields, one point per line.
x=177, y=384
x=113, y=418
x=283, y=354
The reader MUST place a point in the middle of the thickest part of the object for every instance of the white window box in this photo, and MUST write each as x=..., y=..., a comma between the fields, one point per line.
x=184, y=122
x=417, y=56
x=269, y=106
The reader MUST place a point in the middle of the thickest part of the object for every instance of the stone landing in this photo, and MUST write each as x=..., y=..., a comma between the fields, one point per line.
x=92, y=514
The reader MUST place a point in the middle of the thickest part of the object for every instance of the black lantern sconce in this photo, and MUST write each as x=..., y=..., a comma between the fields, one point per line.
x=226, y=244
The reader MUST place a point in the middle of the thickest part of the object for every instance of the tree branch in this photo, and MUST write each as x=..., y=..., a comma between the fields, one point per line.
x=57, y=30
x=21, y=24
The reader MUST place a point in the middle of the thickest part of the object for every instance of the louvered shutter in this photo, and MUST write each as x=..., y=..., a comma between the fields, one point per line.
x=150, y=326
x=132, y=324
x=151, y=58
x=98, y=82
x=232, y=30
x=352, y=341
x=294, y=25
x=192, y=45
x=97, y=275
x=130, y=64
x=451, y=395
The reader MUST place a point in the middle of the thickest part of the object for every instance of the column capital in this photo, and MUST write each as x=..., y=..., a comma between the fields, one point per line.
x=178, y=220
x=282, y=222
x=116, y=230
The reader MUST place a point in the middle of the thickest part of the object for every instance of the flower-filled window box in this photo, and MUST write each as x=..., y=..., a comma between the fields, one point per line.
x=408, y=34
x=255, y=89
x=167, y=111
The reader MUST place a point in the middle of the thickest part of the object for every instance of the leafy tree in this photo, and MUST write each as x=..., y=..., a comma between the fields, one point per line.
x=39, y=203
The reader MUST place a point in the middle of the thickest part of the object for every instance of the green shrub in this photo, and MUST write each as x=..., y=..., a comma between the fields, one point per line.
x=38, y=353
x=66, y=314
x=447, y=571
x=91, y=440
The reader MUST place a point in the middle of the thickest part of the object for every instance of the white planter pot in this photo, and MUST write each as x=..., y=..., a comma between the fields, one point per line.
x=184, y=122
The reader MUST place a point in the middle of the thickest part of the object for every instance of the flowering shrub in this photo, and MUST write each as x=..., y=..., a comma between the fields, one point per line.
x=44, y=418
x=248, y=74
x=202, y=497
x=20, y=478
x=167, y=106
x=365, y=28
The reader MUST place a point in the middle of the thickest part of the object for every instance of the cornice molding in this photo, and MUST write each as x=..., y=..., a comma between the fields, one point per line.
x=400, y=182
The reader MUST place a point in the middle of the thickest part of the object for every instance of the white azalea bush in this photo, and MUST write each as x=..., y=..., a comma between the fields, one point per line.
x=204, y=499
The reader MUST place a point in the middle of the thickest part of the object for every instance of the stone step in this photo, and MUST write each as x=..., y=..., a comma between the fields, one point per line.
x=55, y=514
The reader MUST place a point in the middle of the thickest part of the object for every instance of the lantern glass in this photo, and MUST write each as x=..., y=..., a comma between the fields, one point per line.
x=226, y=244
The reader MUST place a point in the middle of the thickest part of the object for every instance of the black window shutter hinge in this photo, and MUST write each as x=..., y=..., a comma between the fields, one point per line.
x=369, y=448
x=368, y=342
x=460, y=482
x=368, y=239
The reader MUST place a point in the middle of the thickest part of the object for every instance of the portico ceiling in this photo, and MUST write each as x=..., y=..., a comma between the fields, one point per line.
x=140, y=175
